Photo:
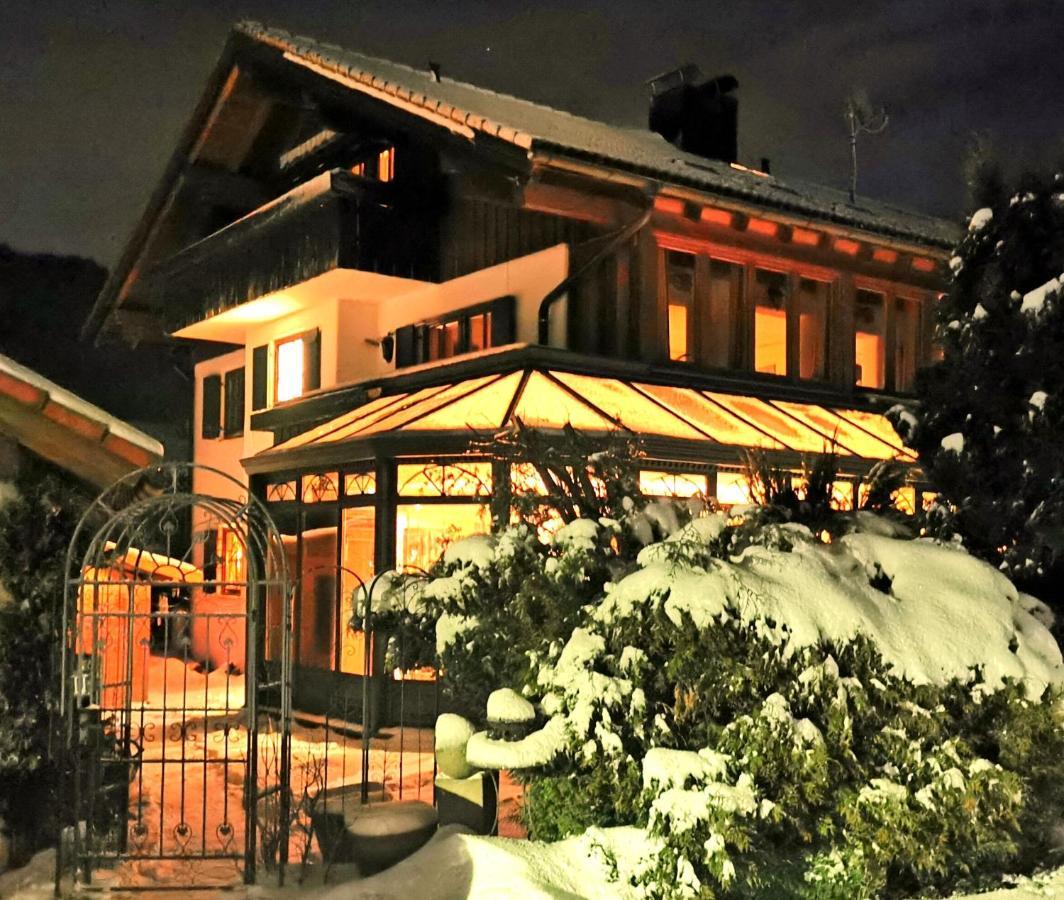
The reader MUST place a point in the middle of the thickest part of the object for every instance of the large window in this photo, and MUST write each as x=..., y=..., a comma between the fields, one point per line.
x=703, y=309
x=812, y=328
x=770, y=322
x=357, y=567
x=906, y=342
x=680, y=279
x=870, y=339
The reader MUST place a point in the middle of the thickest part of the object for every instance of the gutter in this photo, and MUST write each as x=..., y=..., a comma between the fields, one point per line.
x=611, y=247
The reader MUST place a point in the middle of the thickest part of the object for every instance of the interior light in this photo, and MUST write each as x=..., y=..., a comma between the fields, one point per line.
x=289, y=370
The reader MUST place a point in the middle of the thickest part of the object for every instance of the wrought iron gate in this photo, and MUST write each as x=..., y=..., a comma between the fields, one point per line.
x=176, y=686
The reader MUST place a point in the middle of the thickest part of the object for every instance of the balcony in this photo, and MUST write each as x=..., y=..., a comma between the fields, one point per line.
x=332, y=225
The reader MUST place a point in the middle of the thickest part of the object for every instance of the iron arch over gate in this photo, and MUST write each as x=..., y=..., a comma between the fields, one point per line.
x=175, y=686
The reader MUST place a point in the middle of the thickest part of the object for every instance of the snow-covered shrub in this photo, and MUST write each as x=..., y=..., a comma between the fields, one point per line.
x=874, y=716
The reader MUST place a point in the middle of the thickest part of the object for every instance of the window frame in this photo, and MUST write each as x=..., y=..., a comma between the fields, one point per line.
x=310, y=380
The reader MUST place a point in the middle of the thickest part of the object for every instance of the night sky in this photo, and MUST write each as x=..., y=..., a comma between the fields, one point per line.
x=94, y=93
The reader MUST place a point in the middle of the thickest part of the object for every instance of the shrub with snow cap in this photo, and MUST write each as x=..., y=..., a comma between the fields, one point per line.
x=506, y=705
x=452, y=736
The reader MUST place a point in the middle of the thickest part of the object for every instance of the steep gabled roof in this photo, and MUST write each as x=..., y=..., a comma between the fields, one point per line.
x=536, y=127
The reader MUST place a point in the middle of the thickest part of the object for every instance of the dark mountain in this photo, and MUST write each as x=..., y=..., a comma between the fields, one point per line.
x=44, y=300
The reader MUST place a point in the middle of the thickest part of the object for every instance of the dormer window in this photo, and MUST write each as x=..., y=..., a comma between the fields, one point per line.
x=466, y=330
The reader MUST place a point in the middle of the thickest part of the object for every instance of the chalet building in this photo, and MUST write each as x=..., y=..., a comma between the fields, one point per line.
x=380, y=266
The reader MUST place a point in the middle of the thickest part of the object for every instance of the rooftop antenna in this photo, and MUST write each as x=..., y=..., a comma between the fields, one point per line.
x=862, y=118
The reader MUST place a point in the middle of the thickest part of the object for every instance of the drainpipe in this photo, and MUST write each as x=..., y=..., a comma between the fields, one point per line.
x=611, y=247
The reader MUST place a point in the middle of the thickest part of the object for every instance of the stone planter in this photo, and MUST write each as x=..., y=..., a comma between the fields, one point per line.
x=375, y=835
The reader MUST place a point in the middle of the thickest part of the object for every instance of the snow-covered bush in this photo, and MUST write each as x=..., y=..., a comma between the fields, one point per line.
x=780, y=715
x=839, y=714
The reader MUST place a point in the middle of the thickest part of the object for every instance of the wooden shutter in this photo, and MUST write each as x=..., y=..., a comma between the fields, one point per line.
x=212, y=406
x=405, y=346
x=234, y=402
x=312, y=361
x=260, y=360
x=503, y=321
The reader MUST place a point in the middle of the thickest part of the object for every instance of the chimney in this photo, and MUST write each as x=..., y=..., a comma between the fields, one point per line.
x=434, y=71
x=695, y=114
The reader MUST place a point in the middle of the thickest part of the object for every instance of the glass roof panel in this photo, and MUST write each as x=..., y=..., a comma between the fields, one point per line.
x=400, y=418
x=832, y=425
x=544, y=404
x=354, y=425
x=777, y=423
x=315, y=434
x=879, y=426
x=720, y=424
x=484, y=409
x=632, y=408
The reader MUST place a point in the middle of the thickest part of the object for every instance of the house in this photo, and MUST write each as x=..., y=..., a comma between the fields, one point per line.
x=379, y=265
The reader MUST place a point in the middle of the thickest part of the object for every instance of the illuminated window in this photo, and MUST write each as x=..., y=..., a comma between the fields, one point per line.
x=360, y=484
x=321, y=488
x=673, y=484
x=732, y=488
x=467, y=330
x=812, y=328
x=718, y=316
x=359, y=169
x=317, y=634
x=290, y=356
x=280, y=493
x=770, y=322
x=927, y=500
x=905, y=499
x=357, y=568
x=870, y=339
x=423, y=531
x=680, y=280
x=906, y=342
x=386, y=165
x=524, y=479
x=466, y=479
x=229, y=553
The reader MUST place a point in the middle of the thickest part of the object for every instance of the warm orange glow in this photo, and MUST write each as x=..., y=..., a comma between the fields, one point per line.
x=321, y=488
x=927, y=500
x=289, y=369
x=719, y=423
x=423, y=532
x=360, y=484
x=386, y=165
x=885, y=255
x=732, y=488
x=869, y=355
x=845, y=245
x=770, y=341
x=673, y=484
x=359, y=169
x=833, y=426
x=459, y=479
x=480, y=410
x=905, y=500
x=805, y=237
x=715, y=216
x=762, y=227
x=671, y=205
x=794, y=433
x=357, y=569
x=677, y=332
x=923, y=264
x=230, y=555
x=280, y=493
x=741, y=168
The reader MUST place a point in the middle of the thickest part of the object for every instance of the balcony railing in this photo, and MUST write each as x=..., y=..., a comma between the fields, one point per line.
x=334, y=221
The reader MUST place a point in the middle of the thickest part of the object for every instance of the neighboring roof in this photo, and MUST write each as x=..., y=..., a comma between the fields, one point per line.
x=536, y=127
x=68, y=431
x=552, y=399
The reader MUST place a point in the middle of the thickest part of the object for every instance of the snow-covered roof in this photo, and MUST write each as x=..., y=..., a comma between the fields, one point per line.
x=67, y=430
x=539, y=128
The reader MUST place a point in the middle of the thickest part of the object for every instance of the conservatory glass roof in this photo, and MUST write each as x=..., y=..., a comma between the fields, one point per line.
x=548, y=399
